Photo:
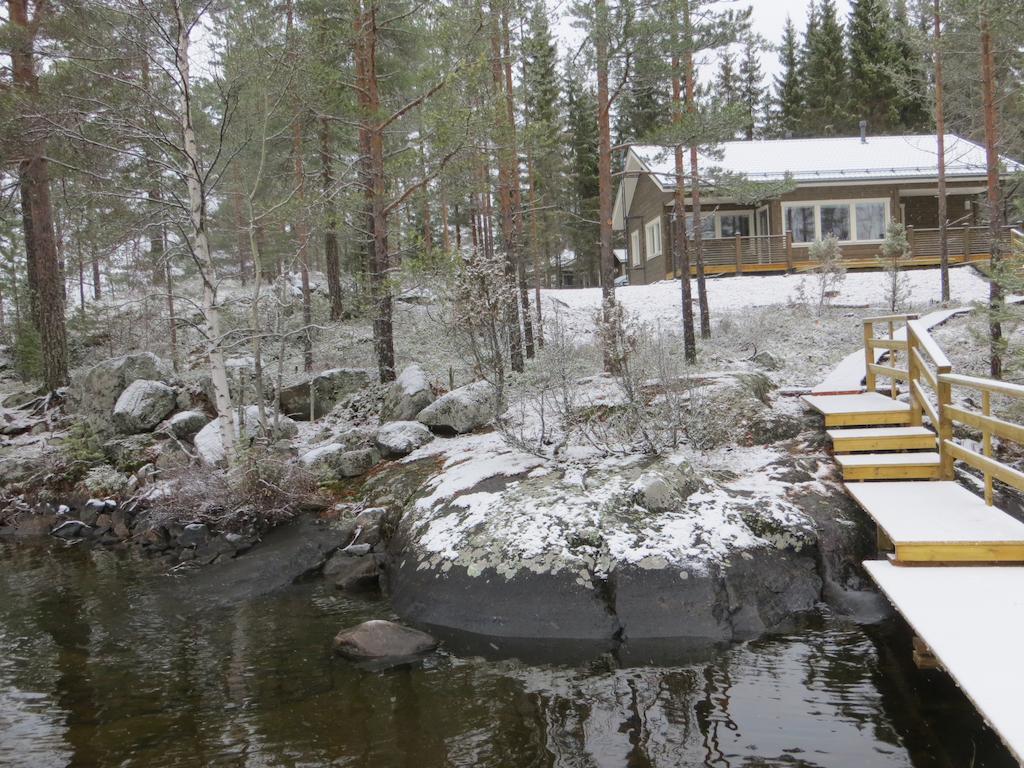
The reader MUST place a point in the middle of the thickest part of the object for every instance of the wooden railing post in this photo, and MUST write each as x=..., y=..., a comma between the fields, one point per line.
x=739, y=255
x=789, y=250
x=967, y=243
x=944, y=392
x=869, y=355
x=986, y=442
x=913, y=376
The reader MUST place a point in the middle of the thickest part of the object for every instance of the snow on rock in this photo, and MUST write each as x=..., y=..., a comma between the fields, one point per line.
x=209, y=444
x=400, y=438
x=409, y=394
x=97, y=389
x=326, y=389
x=461, y=410
x=187, y=423
x=143, y=405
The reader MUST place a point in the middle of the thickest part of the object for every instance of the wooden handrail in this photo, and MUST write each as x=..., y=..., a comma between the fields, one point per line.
x=890, y=318
x=924, y=338
x=983, y=385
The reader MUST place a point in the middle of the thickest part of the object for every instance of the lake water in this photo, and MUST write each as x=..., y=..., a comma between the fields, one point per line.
x=101, y=664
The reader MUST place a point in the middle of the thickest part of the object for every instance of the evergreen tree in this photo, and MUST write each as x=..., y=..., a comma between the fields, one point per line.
x=580, y=108
x=826, y=76
x=787, y=111
x=873, y=66
x=753, y=95
x=910, y=68
x=725, y=79
x=643, y=102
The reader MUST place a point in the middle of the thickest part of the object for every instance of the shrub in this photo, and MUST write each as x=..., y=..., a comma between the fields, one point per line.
x=895, y=256
x=828, y=271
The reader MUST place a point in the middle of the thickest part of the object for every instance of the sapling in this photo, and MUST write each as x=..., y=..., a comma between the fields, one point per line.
x=828, y=270
x=895, y=256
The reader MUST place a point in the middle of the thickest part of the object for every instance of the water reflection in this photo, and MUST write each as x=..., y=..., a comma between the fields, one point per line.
x=105, y=664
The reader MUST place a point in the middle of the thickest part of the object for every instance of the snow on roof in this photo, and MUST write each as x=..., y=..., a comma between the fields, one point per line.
x=832, y=159
x=620, y=255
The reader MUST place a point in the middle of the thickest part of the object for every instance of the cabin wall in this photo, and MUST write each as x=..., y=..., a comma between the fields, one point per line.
x=648, y=202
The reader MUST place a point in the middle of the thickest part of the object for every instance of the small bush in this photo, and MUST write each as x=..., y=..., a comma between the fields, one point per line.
x=829, y=271
x=895, y=256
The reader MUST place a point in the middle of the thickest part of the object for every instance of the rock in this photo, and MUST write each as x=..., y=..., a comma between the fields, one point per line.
x=92, y=509
x=289, y=553
x=70, y=529
x=407, y=395
x=356, y=574
x=400, y=438
x=99, y=388
x=652, y=491
x=766, y=360
x=461, y=410
x=186, y=424
x=327, y=389
x=323, y=456
x=194, y=535
x=208, y=440
x=355, y=463
x=770, y=426
x=380, y=639
x=143, y=405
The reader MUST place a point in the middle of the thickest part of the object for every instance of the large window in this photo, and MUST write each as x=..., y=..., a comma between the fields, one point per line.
x=848, y=220
x=732, y=224
x=800, y=221
x=634, y=248
x=652, y=236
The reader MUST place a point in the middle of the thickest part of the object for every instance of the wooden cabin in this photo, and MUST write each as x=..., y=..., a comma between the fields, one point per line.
x=847, y=186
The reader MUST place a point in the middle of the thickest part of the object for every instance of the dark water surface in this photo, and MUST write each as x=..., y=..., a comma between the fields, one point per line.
x=102, y=665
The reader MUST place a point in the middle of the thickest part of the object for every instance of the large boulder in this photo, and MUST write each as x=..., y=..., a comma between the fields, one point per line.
x=143, y=405
x=209, y=443
x=379, y=639
x=461, y=410
x=327, y=389
x=186, y=424
x=99, y=387
x=407, y=395
x=335, y=460
x=400, y=438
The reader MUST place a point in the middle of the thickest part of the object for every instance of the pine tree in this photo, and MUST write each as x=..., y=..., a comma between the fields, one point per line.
x=826, y=77
x=580, y=107
x=873, y=65
x=643, y=103
x=910, y=68
x=788, y=107
x=753, y=95
x=725, y=79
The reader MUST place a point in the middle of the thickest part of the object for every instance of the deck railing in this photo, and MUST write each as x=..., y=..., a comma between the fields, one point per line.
x=930, y=381
x=776, y=253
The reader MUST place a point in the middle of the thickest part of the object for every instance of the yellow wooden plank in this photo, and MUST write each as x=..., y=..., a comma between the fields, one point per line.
x=999, y=471
x=867, y=418
x=993, y=424
x=859, y=444
x=960, y=552
x=892, y=472
x=887, y=370
x=983, y=385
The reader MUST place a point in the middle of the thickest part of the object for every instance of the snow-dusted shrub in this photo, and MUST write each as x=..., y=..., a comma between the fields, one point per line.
x=895, y=255
x=264, y=488
x=104, y=481
x=828, y=271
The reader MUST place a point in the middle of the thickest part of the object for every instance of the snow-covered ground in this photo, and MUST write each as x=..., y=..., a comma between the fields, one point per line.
x=658, y=304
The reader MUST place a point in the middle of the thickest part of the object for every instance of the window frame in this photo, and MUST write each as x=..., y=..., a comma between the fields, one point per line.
x=743, y=213
x=652, y=225
x=635, y=254
x=852, y=202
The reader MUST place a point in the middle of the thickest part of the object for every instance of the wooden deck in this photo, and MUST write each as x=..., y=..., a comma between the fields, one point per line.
x=953, y=562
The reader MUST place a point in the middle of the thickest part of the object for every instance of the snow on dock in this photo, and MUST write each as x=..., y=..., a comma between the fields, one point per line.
x=972, y=619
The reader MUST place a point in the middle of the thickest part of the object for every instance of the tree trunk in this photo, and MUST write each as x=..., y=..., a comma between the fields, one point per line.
x=301, y=228
x=505, y=159
x=45, y=278
x=940, y=137
x=698, y=242
x=172, y=321
x=331, y=256
x=996, y=299
x=375, y=189
x=680, y=245
x=200, y=241
x=604, y=197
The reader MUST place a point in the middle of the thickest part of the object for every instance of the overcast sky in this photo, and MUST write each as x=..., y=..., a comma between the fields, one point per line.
x=769, y=20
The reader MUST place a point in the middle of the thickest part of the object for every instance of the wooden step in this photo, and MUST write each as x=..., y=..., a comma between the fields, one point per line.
x=882, y=439
x=940, y=522
x=863, y=410
x=890, y=466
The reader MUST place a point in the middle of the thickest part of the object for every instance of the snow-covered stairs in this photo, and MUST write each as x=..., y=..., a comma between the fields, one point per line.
x=882, y=439
x=890, y=466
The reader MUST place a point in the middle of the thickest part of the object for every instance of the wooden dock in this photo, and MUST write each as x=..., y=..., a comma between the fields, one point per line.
x=952, y=562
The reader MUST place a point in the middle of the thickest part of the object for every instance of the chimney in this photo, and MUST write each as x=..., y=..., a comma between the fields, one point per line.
x=863, y=131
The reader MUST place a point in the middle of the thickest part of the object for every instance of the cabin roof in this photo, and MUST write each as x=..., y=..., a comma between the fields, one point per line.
x=831, y=159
